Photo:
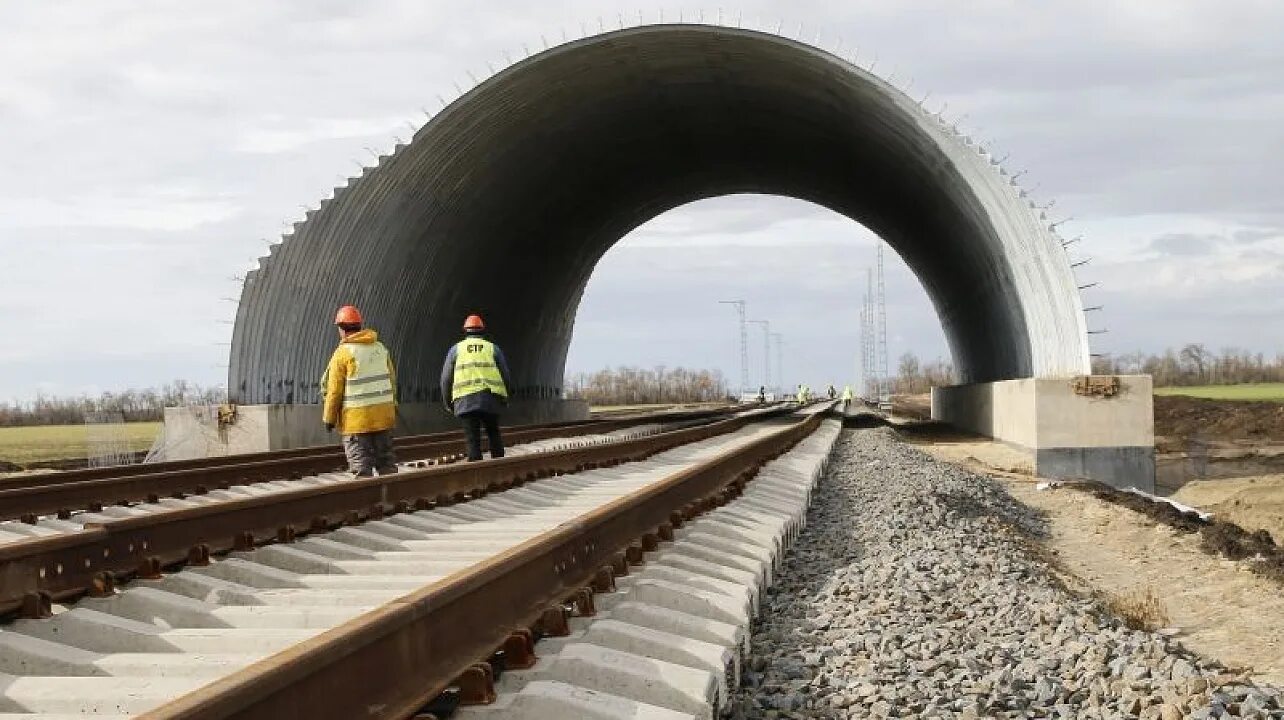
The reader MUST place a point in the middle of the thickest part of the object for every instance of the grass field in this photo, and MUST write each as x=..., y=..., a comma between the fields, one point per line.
x=25, y=445
x=1247, y=391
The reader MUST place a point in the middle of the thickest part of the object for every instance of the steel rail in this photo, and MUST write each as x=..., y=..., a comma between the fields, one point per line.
x=63, y=497
x=391, y=661
x=404, y=443
x=115, y=471
x=36, y=572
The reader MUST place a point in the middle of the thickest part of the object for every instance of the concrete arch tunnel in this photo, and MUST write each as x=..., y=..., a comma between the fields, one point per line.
x=505, y=201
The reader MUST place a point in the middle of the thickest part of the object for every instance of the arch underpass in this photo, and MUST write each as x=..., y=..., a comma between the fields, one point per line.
x=505, y=201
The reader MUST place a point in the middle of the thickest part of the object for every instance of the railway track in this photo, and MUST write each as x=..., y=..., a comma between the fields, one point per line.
x=28, y=498
x=375, y=597
x=26, y=529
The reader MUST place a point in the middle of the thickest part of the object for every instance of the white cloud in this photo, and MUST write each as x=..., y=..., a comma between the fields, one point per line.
x=748, y=220
x=279, y=134
x=148, y=147
x=162, y=210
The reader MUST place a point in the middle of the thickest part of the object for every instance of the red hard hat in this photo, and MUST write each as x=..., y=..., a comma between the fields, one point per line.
x=474, y=322
x=347, y=315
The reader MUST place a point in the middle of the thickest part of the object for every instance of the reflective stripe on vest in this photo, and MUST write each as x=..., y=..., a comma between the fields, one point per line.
x=371, y=384
x=476, y=369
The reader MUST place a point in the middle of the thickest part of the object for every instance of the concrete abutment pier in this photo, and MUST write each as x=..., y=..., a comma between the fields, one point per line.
x=1068, y=432
x=195, y=432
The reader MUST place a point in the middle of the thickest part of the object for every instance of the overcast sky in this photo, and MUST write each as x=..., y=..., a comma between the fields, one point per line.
x=151, y=150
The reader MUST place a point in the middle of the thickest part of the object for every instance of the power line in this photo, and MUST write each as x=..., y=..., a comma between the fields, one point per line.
x=780, y=365
x=766, y=351
x=744, y=342
x=884, y=394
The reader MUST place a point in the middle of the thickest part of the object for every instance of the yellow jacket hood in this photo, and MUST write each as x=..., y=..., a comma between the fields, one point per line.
x=362, y=336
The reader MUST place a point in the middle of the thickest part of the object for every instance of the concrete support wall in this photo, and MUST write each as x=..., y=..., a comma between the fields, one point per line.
x=194, y=432
x=1068, y=435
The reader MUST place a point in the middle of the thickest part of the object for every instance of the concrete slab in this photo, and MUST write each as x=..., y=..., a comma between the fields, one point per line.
x=667, y=619
x=676, y=596
x=724, y=664
x=745, y=595
x=89, y=696
x=547, y=699
x=636, y=677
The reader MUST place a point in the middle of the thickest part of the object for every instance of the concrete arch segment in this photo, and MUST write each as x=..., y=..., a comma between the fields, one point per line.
x=505, y=201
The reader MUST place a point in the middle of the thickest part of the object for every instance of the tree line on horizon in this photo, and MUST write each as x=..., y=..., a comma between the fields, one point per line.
x=132, y=405
x=1195, y=364
x=642, y=386
x=1191, y=364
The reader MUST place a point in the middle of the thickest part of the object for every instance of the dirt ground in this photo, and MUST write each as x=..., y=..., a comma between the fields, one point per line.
x=1251, y=502
x=918, y=407
x=1181, y=421
x=1217, y=607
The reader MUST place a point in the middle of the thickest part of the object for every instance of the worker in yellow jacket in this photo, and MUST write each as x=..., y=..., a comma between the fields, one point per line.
x=360, y=396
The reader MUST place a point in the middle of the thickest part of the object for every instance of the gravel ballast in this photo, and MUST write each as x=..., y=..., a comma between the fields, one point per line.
x=918, y=590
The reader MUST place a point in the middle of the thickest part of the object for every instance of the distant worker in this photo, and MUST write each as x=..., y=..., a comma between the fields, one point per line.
x=474, y=385
x=832, y=392
x=762, y=393
x=847, y=397
x=806, y=392
x=360, y=396
x=801, y=398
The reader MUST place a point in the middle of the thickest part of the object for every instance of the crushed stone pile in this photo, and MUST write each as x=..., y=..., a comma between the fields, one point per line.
x=918, y=590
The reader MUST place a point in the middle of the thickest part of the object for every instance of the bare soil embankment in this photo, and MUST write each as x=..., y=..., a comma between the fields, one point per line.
x=1216, y=606
x=1224, y=457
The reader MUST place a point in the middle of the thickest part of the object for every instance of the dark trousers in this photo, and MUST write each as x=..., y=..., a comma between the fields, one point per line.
x=473, y=423
x=368, y=452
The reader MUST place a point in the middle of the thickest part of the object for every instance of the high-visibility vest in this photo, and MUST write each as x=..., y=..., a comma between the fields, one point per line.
x=476, y=369
x=371, y=384
x=847, y=393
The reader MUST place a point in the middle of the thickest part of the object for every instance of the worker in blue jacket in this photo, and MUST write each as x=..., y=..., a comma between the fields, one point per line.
x=475, y=385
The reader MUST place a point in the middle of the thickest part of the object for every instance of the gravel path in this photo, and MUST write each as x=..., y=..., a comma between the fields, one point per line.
x=917, y=591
